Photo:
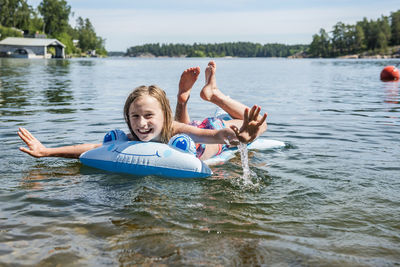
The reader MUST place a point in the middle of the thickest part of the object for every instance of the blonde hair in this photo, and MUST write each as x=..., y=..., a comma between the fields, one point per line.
x=161, y=97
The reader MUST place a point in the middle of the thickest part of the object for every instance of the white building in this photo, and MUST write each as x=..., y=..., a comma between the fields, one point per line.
x=33, y=47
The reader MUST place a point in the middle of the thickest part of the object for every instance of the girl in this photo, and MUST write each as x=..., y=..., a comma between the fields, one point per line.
x=149, y=118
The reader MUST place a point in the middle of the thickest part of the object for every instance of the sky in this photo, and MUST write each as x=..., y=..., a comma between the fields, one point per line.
x=126, y=23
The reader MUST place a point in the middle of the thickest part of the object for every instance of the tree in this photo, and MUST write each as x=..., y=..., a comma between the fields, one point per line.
x=321, y=45
x=35, y=23
x=8, y=32
x=315, y=49
x=371, y=35
x=55, y=16
x=359, y=42
x=15, y=13
x=384, y=32
x=395, y=27
x=66, y=39
x=88, y=40
x=86, y=34
x=338, y=41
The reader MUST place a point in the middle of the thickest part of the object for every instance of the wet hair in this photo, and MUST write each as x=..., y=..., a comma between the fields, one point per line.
x=161, y=97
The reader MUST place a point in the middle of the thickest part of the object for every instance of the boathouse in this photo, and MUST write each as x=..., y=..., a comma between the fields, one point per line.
x=31, y=47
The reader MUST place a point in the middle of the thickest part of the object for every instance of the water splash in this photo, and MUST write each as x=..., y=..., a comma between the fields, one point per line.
x=244, y=156
x=249, y=178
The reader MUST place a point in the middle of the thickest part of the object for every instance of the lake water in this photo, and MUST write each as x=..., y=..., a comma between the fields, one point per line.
x=330, y=197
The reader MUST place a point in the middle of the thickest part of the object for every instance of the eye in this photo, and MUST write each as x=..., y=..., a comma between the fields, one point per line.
x=149, y=115
x=134, y=116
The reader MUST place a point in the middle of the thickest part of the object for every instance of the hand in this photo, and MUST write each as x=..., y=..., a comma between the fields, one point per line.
x=252, y=125
x=35, y=148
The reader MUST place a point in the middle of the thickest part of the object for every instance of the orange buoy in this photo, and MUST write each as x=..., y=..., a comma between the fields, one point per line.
x=390, y=73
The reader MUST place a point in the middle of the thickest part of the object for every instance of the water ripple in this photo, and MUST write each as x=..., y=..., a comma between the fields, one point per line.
x=329, y=197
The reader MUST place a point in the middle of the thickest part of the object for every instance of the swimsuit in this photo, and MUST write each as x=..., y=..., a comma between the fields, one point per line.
x=212, y=123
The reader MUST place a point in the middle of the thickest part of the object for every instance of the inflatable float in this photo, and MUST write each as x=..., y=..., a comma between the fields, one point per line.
x=176, y=159
x=118, y=154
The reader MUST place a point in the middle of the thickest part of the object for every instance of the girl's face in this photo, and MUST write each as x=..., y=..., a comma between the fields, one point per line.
x=146, y=118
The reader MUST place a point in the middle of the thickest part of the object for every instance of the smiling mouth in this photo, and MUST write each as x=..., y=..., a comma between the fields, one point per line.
x=144, y=131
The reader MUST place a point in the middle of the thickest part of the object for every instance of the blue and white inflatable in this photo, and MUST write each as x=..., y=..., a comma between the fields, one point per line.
x=118, y=154
x=175, y=159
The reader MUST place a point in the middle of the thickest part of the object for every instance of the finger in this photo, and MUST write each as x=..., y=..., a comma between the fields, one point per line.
x=263, y=119
x=23, y=137
x=251, y=114
x=256, y=113
x=23, y=130
x=20, y=131
x=23, y=149
x=27, y=151
x=246, y=116
x=26, y=133
x=234, y=142
x=30, y=136
x=235, y=129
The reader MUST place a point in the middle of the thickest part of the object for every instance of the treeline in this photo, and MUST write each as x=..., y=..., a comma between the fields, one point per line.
x=234, y=49
x=51, y=17
x=372, y=36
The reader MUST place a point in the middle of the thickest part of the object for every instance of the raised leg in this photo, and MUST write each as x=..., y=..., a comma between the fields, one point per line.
x=188, y=78
x=211, y=93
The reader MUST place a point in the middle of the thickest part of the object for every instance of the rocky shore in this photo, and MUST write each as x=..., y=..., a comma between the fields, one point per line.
x=392, y=52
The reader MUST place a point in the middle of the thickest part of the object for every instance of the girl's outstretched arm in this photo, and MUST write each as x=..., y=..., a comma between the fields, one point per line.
x=37, y=149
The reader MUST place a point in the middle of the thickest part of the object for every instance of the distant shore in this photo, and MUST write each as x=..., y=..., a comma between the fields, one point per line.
x=392, y=52
x=355, y=56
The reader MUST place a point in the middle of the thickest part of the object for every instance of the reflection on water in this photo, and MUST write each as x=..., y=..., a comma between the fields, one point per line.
x=22, y=80
x=392, y=92
x=329, y=198
x=12, y=100
x=86, y=63
x=38, y=177
x=14, y=91
x=57, y=88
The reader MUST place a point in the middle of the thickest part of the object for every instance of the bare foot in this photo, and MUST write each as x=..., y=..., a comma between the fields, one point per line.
x=188, y=78
x=210, y=89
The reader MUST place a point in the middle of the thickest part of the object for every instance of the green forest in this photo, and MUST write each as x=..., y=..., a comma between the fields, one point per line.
x=236, y=49
x=369, y=36
x=366, y=36
x=51, y=17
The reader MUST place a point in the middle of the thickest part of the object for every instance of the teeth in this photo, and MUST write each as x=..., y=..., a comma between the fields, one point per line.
x=144, y=132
